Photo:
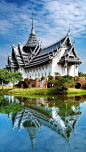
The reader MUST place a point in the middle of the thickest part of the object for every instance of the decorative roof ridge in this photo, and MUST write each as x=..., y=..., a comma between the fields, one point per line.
x=74, y=51
x=70, y=48
x=15, y=46
x=18, y=41
x=55, y=42
x=20, y=44
x=22, y=52
x=16, y=56
x=8, y=54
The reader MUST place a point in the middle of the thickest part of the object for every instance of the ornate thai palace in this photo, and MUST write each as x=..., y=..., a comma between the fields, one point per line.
x=33, y=61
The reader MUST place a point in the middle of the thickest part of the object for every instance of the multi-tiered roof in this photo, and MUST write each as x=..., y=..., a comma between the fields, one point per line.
x=32, y=54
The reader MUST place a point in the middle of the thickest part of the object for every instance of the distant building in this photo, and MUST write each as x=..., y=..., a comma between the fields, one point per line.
x=33, y=61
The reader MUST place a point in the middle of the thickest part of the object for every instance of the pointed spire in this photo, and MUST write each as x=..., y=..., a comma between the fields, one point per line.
x=32, y=30
x=32, y=41
x=68, y=30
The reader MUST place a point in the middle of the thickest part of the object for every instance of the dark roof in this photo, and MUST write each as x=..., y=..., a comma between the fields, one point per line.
x=39, y=57
x=32, y=41
x=52, y=47
x=42, y=57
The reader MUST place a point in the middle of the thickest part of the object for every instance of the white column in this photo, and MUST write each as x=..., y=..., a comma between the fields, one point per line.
x=76, y=70
x=65, y=68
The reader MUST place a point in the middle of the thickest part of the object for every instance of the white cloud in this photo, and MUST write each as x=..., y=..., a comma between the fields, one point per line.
x=55, y=15
x=51, y=20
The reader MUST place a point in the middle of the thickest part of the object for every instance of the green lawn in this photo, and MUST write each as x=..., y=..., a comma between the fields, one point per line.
x=31, y=91
x=40, y=91
x=76, y=91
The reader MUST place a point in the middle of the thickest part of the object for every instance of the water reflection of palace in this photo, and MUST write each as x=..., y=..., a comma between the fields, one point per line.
x=35, y=115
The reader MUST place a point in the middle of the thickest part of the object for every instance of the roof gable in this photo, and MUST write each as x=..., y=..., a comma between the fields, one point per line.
x=52, y=47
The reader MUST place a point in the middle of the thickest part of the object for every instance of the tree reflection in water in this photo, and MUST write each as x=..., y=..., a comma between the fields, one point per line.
x=58, y=113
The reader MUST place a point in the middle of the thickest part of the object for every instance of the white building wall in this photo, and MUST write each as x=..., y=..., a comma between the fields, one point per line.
x=24, y=74
x=50, y=68
x=76, y=70
x=36, y=72
x=71, y=70
x=62, y=51
x=65, y=71
x=56, y=67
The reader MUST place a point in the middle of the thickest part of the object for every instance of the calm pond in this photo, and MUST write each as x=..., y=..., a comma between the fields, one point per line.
x=42, y=124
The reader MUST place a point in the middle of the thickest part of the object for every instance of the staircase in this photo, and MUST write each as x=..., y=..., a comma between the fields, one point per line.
x=43, y=84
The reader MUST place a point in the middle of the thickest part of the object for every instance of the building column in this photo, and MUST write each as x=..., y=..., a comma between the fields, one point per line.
x=65, y=68
x=76, y=69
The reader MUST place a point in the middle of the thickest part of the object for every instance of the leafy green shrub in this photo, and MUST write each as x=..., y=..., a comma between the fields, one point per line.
x=57, y=77
x=42, y=78
x=76, y=78
x=53, y=81
x=58, y=89
x=68, y=77
x=84, y=86
x=70, y=84
x=64, y=79
x=57, y=74
x=29, y=86
x=50, y=77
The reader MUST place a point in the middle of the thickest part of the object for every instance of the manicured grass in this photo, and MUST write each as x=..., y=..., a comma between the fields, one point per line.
x=40, y=91
x=6, y=87
x=76, y=91
x=32, y=91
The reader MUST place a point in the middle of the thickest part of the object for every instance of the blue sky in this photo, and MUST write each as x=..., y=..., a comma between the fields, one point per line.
x=52, y=20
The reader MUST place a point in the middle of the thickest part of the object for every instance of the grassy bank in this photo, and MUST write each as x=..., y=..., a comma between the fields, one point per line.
x=76, y=91
x=39, y=91
x=32, y=91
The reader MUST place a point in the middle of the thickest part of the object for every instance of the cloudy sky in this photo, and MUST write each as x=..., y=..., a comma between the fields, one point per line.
x=52, y=19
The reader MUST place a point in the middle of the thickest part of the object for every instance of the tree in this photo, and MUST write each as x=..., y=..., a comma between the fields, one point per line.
x=50, y=77
x=64, y=79
x=80, y=74
x=15, y=77
x=4, y=76
x=57, y=74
